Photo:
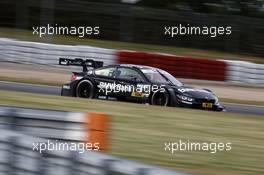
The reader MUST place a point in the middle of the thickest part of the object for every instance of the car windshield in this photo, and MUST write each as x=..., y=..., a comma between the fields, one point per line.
x=171, y=78
x=160, y=76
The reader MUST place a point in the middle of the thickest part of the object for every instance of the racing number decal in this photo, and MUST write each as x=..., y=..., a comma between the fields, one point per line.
x=207, y=105
x=137, y=94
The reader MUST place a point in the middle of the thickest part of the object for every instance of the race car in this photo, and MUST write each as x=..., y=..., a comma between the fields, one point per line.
x=134, y=83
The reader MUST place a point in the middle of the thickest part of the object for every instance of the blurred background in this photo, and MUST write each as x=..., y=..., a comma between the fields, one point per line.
x=132, y=31
x=143, y=21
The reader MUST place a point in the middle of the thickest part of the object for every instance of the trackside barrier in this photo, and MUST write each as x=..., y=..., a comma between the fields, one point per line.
x=185, y=67
x=245, y=72
x=180, y=66
x=19, y=156
x=98, y=129
x=87, y=127
x=48, y=54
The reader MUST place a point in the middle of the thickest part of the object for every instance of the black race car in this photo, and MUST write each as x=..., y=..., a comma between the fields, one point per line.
x=134, y=83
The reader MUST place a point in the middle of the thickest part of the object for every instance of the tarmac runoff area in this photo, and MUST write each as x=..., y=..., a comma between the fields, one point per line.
x=54, y=90
x=57, y=76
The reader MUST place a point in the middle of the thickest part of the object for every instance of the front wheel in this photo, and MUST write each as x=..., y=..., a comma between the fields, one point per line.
x=85, y=89
x=160, y=98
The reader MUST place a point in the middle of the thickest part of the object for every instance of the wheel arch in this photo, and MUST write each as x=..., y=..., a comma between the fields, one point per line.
x=81, y=80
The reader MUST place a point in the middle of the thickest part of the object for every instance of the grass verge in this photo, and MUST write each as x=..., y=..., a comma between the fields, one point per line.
x=28, y=36
x=139, y=132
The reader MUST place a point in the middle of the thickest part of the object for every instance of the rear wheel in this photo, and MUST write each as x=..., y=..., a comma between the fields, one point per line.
x=160, y=98
x=85, y=89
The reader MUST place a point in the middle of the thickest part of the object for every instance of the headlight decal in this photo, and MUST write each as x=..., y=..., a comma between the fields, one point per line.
x=185, y=98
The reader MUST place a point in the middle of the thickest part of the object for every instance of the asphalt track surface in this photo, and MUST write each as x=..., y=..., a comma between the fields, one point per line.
x=53, y=90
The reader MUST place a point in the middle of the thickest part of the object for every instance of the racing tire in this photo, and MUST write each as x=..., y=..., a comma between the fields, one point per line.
x=160, y=98
x=85, y=89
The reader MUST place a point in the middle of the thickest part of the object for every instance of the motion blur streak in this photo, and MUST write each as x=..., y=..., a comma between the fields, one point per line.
x=21, y=87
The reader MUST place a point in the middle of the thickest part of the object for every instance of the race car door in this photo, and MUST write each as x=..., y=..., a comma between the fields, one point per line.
x=105, y=82
x=129, y=79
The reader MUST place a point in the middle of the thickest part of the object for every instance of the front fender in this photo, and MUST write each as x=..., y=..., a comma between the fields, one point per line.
x=173, y=98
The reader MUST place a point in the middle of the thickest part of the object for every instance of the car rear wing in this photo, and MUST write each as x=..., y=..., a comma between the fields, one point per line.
x=81, y=62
